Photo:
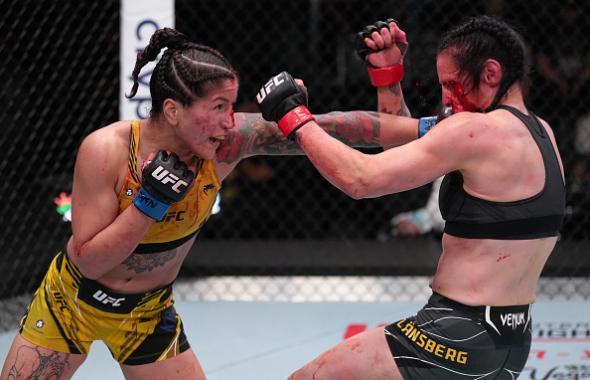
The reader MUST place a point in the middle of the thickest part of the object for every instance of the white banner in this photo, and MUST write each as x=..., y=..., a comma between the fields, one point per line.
x=139, y=20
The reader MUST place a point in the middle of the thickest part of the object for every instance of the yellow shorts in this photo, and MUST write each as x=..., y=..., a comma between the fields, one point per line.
x=69, y=312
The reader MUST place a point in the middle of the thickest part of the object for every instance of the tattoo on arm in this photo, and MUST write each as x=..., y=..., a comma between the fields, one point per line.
x=50, y=365
x=355, y=128
x=140, y=263
x=392, y=101
x=252, y=135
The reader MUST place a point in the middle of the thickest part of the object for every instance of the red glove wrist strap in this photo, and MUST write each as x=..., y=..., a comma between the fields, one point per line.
x=386, y=76
x=294, y=119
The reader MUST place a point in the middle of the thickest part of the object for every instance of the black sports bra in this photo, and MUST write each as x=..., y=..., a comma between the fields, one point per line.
x=538, y=216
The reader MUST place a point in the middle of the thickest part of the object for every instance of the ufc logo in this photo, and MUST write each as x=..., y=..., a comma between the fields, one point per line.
x=264, y=91
x=104, y=298
x=165, y=177
x=172, y=215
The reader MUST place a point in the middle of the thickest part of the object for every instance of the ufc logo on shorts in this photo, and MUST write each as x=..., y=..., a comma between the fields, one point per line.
x=165, y=177
x=274, y=82
x=104, y=298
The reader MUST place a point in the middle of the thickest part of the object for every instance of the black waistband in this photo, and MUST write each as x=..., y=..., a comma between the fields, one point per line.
x=507, y=325
x=103, y=298
x=437, y=299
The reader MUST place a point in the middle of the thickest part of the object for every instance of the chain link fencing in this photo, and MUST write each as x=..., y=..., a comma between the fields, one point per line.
x=279, y=219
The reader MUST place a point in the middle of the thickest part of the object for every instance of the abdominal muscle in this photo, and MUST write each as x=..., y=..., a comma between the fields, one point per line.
x=491, y=272
x=146, y=271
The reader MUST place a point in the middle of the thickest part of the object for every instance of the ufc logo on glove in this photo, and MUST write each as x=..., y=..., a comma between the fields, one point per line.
x=267, y=88
x=165, y=177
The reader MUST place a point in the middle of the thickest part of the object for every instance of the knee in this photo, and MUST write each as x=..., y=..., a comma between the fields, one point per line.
x=300, y=374
x=322, y=370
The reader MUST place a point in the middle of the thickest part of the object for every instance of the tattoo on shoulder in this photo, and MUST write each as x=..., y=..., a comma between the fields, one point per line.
x=50, y=365
x=140, y=263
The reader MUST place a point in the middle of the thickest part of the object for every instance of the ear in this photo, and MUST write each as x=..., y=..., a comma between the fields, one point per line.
x=171, y=111
x=492, y=72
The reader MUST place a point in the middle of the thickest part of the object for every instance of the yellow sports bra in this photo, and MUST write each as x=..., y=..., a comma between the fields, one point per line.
x=184, y=219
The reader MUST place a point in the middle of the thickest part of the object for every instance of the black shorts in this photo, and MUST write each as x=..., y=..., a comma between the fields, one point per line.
x=449, y=340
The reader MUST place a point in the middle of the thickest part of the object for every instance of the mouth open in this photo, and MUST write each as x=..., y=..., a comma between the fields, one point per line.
x=217, y=139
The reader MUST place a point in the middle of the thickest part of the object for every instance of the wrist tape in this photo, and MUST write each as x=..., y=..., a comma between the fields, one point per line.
x=294, y=119
x=149, y=205
x=386, y=76
x=425, y=124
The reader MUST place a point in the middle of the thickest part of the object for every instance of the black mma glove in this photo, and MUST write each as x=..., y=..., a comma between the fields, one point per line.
x=281, y=100
x=165, y=180
x=380, y=76
x=361, y=48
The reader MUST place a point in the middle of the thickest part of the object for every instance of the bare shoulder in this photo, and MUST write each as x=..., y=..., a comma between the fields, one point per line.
x=465, y=128
x=111, y=141
x=105, y=150
x=462, y=140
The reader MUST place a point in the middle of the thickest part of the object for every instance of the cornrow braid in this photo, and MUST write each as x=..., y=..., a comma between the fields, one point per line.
x=184, y=70
x=484, y=37
x=161, y=38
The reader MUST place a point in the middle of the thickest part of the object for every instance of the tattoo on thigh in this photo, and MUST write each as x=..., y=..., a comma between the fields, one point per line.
x=42, y=366
x=140, y=263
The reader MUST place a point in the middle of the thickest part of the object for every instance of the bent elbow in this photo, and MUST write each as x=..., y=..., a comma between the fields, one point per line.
x=88, y=270
x=367, y=184
x=356, y=193
x=89, y=273
x=356, y=189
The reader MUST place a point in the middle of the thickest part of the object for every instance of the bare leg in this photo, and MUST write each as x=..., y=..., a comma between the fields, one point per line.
x=183, y=366
x=25, y=360
x=365, y=356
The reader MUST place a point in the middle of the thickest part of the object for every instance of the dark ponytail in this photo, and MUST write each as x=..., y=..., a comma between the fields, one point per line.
x=183, y=70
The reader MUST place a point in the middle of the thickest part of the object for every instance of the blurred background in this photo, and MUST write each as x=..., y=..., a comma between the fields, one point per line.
x=278, y=218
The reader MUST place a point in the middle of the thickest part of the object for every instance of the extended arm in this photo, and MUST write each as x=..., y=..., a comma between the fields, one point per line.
x=360, y=175
x=391, y=126
x=253, y=135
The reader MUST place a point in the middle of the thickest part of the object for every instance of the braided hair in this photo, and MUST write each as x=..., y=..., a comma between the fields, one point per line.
x=484, y=37
x=182, y=72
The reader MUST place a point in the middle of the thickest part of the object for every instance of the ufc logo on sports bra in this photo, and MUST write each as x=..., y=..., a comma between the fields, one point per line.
x=274, y=82
x=165, y=177
x=104, y=298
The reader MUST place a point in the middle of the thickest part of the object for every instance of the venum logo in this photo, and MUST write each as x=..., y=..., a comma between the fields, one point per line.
x=165, y=177
x=105, y=299
x=513, y=320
